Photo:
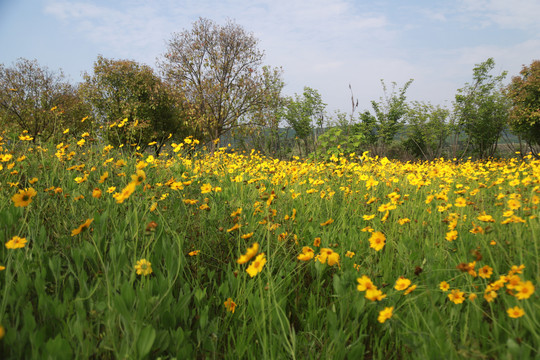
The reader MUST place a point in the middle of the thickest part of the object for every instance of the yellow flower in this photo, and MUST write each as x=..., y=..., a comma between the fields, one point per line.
x=374, y=294
x=333, y=259
x=385, y=314
x=256, y=265
x=139, y=177
x=451, y=235
x=514, y=204
x=247, y=236
x=206, y=188
x=377, y=240
x=485, y=218
x=490, y=295
x=402, y=284
x=250, y=253
x=524, y=290
x=23, y=197
x=515, y=312
x=96, y=193
x=460, y=202
x=444, y=286
x=235, y=227
x=82, y=227
x=236, y=212
x=307, y=254
x=327, y=222
x=126, y=193
x=364, y=283
x=404, y=221
x=456, y=296
x=230, y=305
x=143, y=267
x=16, y=243
x=410, y=289
x=485, y=272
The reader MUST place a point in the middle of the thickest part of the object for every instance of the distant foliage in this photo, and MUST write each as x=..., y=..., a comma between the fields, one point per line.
x=481, y=111
x=305, y=114
x=524, y=92
x=427, y=131
x=39, y=101
x=132, y=103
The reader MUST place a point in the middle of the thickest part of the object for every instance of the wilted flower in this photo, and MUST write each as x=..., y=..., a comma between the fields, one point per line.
x=230, y=305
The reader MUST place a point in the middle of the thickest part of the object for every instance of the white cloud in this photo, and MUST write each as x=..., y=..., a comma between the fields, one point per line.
x=323, y=44
x=515, y=14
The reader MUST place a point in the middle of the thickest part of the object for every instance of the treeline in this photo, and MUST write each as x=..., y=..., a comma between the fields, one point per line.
x=211, y=83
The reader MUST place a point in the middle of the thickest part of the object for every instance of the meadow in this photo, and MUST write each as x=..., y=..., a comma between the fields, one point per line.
x=113, y=253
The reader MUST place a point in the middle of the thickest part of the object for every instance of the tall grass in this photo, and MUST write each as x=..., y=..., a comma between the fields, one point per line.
x=68, y=295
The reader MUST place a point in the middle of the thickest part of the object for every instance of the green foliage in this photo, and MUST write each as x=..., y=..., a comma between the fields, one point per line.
x=390, y=112
x=344, y=137
x=305, y=113
x=380, y=129
x=79, y=296
x=481, y=110
x=39, y=101
x=125, y=89
x=427, y=130
x=524, y=92
x=261, y=131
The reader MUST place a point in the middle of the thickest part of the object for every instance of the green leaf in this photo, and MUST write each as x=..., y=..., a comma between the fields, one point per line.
x=145, y=341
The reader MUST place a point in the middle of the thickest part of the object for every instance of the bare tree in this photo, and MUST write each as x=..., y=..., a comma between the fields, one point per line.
x=219, y=70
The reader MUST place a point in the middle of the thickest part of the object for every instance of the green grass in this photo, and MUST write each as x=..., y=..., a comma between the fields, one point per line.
x=79, y=296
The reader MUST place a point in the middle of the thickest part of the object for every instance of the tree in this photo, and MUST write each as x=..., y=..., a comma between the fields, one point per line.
x=524, y=92
x=481, y=110
x=39, y=101
x=218, y=68
x=343, y=137
x=262, y=129
x=381, y=128
x=125, y=89
x=427, y=130
x=305, y=113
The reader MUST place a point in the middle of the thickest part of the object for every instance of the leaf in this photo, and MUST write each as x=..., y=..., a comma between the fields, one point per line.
x=145, y=341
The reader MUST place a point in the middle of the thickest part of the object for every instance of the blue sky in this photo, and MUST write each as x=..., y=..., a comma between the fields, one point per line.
x=326, y=45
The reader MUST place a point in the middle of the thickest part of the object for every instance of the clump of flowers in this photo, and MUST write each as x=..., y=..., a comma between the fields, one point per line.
x=372, y=293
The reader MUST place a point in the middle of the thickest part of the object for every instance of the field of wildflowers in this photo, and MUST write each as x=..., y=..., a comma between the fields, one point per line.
x=110, y=253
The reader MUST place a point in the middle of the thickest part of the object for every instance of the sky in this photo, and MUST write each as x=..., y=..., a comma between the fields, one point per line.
x=326, y=45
